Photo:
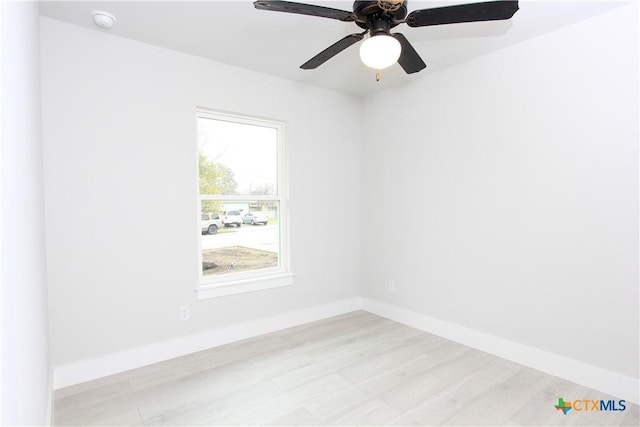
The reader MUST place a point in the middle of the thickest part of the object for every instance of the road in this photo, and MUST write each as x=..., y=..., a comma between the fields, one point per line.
x=262, y=237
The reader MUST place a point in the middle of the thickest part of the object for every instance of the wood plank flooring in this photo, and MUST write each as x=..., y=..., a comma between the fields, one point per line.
x=354, y=369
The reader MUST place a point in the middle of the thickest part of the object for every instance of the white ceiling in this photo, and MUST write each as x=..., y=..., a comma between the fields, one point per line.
x=235, y=33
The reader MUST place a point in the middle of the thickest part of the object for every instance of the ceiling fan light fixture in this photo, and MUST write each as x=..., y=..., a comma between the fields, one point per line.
x=377, y=17
x=380, y=51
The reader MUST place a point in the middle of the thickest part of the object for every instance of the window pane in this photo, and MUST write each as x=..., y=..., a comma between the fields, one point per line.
x=237, y=158
x=244, y=238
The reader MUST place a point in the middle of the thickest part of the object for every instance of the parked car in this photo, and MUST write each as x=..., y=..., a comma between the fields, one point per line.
x=254, y=218
x=230, y=218
x=210, y=222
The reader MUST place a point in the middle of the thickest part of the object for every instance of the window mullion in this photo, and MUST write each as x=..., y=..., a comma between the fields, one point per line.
x=235, y=198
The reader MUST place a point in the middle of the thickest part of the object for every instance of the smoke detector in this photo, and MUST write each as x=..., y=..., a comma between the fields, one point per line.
x=103, y=19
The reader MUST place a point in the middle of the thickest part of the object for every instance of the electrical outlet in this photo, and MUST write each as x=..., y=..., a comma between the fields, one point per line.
x=184, y=312
x=392, y=286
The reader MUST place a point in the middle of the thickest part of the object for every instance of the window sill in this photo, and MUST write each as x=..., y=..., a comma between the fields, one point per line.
x=242, y=286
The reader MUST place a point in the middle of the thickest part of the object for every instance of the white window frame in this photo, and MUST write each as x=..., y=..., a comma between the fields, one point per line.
x=254, y=280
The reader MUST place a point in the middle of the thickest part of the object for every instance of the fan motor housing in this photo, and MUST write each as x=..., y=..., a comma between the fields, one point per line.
x=367, y=12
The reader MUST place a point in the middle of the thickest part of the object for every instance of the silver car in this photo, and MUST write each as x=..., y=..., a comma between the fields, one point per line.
x=254, y=218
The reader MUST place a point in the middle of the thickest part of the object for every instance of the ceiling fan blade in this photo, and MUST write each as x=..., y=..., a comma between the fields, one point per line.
x=332, y=51
x=304, y=9
x=409, y=59
x=487, y=11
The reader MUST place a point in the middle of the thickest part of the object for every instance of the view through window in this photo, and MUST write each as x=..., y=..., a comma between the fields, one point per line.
x=241, y=196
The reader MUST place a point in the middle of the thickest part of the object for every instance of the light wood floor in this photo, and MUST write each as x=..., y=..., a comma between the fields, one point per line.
x=354, y=369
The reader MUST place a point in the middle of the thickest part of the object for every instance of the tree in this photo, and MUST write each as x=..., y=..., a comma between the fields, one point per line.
x=263, y=190
x=215, y=179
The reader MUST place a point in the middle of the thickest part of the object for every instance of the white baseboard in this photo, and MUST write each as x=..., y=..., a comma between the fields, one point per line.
x=87, y=370
x=613, y=383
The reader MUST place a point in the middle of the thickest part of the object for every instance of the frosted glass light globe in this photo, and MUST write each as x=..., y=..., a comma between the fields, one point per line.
x=380, y=51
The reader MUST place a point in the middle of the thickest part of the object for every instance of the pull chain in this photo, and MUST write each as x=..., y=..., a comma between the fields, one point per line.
x=377, y=75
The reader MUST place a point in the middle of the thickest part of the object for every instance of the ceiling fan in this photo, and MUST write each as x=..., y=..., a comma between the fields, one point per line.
x=382, y=48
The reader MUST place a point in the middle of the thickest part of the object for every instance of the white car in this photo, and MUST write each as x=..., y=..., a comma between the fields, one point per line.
x=210, y=222
x=230, y=218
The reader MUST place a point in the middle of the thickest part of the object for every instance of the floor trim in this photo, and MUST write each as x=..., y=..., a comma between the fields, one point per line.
x=610, y=382
x=613, y=383
x=91, y=369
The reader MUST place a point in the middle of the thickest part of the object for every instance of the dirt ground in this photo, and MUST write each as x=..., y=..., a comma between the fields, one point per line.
x=236, y=258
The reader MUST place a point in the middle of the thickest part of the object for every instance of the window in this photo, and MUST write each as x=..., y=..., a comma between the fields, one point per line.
x=242, y=205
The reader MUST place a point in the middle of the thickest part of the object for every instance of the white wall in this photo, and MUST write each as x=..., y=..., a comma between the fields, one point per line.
x=121, y=182
x=512, y=183
x=25, y=363
x=513, y=179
